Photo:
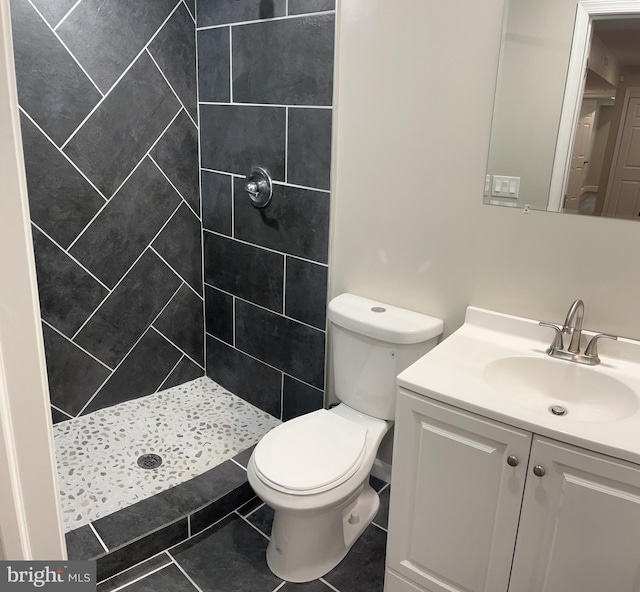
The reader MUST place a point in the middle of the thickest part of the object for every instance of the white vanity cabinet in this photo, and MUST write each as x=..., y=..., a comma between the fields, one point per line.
x=469, y=514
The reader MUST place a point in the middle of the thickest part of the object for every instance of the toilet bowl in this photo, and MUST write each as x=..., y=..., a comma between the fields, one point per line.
x=318, y=487
x=314, y=470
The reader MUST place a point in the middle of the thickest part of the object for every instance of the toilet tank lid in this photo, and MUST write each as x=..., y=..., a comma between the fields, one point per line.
x=382, y=321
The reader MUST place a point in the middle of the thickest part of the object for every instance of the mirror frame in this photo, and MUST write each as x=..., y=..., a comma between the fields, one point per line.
x=586, y=12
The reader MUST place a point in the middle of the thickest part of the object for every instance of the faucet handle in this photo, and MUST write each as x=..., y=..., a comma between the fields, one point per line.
x=557, y=342
x=592, y=349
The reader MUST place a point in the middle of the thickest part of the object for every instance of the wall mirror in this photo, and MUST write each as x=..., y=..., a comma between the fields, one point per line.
x=565, y=134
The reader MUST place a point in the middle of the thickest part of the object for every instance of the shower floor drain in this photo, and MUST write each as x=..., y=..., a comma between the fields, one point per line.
x=149, y=461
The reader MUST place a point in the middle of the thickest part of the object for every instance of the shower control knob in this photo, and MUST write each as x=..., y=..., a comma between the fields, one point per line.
x=512, y=460
x=252, y=188
x=539, y=471
x=259, y=187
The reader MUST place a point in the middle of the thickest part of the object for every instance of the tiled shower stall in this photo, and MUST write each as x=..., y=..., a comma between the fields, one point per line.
x=140, y=120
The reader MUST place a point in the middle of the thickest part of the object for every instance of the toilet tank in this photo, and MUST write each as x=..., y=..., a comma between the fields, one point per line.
x=371, y=343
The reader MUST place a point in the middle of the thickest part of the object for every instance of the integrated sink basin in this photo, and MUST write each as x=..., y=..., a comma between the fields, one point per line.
x=553, y=386
x=496, y=366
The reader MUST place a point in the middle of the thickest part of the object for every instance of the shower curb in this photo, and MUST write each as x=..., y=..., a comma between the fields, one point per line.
x=130, y=539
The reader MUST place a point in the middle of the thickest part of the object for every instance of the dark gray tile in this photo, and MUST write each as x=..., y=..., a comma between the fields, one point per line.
x=68, y=294
x=182, y=322
x=304, y=6
x=219, y=314
x=299, y=398
x=262, y=519
x=185, y=371
x=244, y=270
x=52, y=88
x=61, y=201
x=251, y=380
x=211, y=487
x=314, y=586
x=219, y=12
x=234, y=138
x=306, y=292
x=296, y=349
x=362, y=570
x=295, y=222
x=105, y=42
x=180, y=245
x=191, y=5
x=376, y=483
x=302, y=48
x=230, y=556
x=73, y=375
x=174, y=48
x=140, y=550
x=250, y=506
x=134, y=573
x=244, y=456
x=58, y=416
x=54, y=10
x=214, y=68
x=217, y=202
x=309, y=148
x=167, y=579
x=82, y=544
x=129, y=120
x=125, y=227
x=215, y=511
x=129, y=310
x=382, y=517
x=177, y=155
x=136, y=521
x=154, y=355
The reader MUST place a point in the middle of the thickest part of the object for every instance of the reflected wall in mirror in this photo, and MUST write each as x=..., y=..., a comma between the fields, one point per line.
x=565, y=133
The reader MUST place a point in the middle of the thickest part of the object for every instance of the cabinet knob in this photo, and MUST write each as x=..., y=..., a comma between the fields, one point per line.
x=539, y=471
x=512, y=460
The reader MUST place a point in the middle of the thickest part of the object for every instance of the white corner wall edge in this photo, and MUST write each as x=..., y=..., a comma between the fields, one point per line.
x=30, y=516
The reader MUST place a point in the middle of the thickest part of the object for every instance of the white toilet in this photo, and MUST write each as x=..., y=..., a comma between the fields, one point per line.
x=314, y=470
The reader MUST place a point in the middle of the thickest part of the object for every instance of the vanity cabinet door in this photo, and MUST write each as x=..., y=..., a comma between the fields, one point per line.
x=580, y=524
x=455, y=499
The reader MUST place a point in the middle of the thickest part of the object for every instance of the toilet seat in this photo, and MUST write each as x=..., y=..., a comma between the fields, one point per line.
x=310, y=454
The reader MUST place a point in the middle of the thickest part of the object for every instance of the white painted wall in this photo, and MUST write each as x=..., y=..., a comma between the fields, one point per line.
x=30, y=517
x=409, y=226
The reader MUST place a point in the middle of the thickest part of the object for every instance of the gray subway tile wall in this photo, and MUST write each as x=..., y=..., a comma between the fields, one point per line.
x=265, y=71
x=284, y=62
x=259, y=383
x=109, y=122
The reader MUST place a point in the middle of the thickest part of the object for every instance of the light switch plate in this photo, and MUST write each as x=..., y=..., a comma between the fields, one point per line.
x=503, y=186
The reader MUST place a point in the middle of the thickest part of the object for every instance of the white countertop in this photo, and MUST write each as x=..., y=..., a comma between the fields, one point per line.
x=454, y=373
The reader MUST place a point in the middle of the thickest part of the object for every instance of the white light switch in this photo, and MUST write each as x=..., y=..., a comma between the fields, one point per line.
x=504, y=186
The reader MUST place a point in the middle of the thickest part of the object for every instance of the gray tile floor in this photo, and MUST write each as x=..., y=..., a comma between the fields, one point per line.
x=230, y=556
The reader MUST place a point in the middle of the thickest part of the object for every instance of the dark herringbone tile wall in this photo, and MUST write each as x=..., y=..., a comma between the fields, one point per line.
x=108, y=101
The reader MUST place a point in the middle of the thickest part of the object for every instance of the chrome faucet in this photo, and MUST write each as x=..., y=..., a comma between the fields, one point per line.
x=575, y=315
x=573, y=325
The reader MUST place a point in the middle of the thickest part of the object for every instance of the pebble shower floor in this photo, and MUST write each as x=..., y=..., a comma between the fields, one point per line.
x=193, y=427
